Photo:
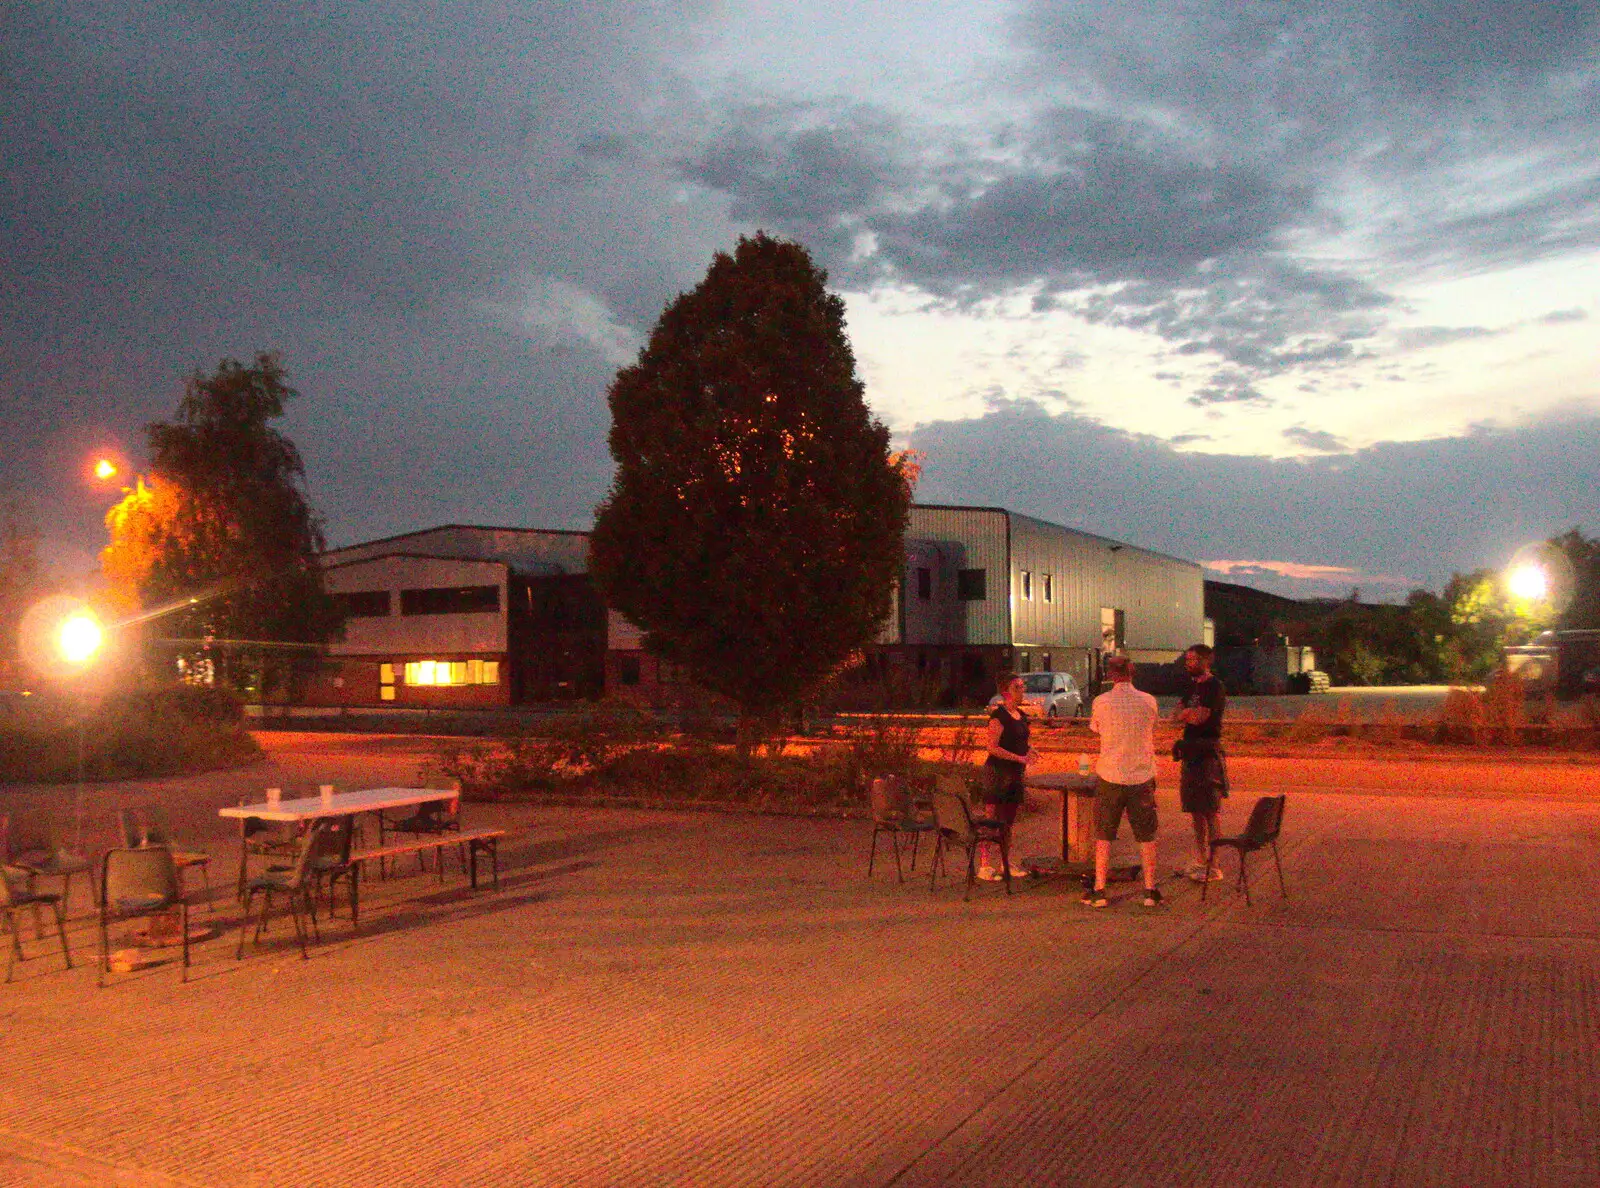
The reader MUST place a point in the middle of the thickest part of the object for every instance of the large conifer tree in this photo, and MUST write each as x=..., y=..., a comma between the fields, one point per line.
x=754, y=527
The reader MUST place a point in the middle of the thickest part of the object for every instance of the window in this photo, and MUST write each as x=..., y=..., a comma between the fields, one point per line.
x=1049, y=587
x=1026, y=582
x=452, y=672
x=1039, y=683
x=1024, y=662
x=363, y=604
x=450, y=600
x=972, y=585
x=924, y=583
x=386, y=682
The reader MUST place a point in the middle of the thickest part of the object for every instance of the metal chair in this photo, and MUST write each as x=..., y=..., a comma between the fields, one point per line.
x=139, y=883
x=149, y=825
x=891, y=814
x=432, y=818
x=958, y=827
x=262, y=839
x=1261, y=831
x=32, y=845
x=15, y=892
x=327, y=839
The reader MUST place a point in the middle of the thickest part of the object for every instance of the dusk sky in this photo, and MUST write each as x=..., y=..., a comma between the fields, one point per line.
x=1308, y=291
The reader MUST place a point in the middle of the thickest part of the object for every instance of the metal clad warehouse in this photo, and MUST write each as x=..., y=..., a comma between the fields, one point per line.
x=986, y=590
x=464, y=615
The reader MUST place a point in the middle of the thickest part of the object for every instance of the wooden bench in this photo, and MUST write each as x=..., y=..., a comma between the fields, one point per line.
x=476, y=840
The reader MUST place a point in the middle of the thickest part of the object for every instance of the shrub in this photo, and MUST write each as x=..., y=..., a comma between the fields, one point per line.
x=130, y=734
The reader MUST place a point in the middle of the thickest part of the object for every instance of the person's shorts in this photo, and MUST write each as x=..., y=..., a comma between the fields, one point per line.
x=1202, y=784
x=1137, y=800
x=1002, y=784
x=1004, y=811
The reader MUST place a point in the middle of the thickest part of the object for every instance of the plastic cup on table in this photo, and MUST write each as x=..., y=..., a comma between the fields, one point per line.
x=273, y=796
x=327, y=795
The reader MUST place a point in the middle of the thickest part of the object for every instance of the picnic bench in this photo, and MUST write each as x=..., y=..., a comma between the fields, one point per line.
x=476, y=841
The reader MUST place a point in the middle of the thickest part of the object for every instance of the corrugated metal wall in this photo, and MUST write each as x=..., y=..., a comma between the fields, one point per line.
x=946, y=540
x=1162, y=597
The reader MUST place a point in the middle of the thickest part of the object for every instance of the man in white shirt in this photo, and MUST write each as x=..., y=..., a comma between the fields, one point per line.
x=1125, y=720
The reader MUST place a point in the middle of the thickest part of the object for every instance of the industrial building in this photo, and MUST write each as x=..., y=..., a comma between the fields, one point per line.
x=986, y=590
x=462, y=615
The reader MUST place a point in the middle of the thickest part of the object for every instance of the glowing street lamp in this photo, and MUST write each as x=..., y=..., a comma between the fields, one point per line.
x=105, y=470
x=1529, y=583
x=79, y=637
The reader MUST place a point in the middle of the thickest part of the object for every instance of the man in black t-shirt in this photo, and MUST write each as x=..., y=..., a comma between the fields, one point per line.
x=1204, y=779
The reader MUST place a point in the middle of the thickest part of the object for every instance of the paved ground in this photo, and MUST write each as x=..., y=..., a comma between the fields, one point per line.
x=708, y=1000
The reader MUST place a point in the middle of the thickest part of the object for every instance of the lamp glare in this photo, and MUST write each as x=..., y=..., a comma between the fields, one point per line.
x=1529, y=582
x=105, y=469
x=79, y=638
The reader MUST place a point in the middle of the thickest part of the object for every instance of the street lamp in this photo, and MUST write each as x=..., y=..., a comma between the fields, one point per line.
x=105, y=470
x=1528, y=582
x=79, y=637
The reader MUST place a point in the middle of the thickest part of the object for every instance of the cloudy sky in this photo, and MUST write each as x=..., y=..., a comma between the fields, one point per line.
x=1305, y=290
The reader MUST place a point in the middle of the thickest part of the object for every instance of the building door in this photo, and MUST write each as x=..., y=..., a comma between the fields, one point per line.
x=1113, y=629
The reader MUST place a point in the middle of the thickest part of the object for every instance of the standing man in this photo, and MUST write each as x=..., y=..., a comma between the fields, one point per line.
x=1204, y=779
x=1125, y=720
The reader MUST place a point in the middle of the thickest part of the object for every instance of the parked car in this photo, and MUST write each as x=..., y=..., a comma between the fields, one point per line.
x=1050, y=695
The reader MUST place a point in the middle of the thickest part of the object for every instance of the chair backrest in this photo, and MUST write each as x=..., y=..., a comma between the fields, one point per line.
x=157, y=826
x=955, y=785
x=13, y=882
x=128, y=827
x=951, y=814
x=890, y=803
x=31, y=834
x=325, y=844
x=1266, y=819
x=143, y=877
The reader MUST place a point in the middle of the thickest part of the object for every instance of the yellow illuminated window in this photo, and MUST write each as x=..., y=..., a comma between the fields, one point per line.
x=386, y=674
x=452, y=672
x=386, y=693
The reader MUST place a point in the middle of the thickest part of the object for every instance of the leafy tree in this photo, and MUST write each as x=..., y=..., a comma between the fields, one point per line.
x=224, y=516
x=1584, y=554
x=20, y=584
x=754, y=526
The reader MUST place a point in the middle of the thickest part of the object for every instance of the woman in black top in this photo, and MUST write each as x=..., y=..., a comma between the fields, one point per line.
x=1003, y=770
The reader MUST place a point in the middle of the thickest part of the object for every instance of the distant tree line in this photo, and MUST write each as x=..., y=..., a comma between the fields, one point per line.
x=1453, y=636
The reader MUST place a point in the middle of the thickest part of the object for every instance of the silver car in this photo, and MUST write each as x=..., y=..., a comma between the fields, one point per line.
x=1050, y=694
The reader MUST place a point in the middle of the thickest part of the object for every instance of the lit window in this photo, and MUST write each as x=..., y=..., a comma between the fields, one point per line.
x=386, y=693
x=386, y=674
x=452, y=672
x=1049, y=587
x=1027, y=585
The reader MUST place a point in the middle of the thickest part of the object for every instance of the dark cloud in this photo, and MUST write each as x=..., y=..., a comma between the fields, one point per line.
x=1315, y=439
x=1420, y=510
x=375, y=190
x=1557, y=317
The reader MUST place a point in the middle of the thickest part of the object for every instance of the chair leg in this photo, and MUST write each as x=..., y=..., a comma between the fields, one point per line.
x=1244, y=877
x=105, y=948
x=183, y=922
x=872, y=852
x=14, y=930
x=316, y=932
x=355, y=896
x=61, y=931
x=1211, y=860
x=266, y=906
x=205, y=881
x=299, y=928
x=244, y=922
x=1279, y=865
x=933, y=863
x=916, y=844
x=10, y=922
x=899, y=871
x=972, y=871
x=1005, y=857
